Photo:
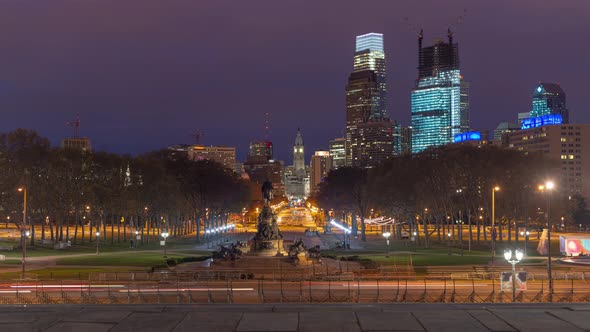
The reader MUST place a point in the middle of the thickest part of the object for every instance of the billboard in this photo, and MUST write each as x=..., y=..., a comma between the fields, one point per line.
x=574, y=245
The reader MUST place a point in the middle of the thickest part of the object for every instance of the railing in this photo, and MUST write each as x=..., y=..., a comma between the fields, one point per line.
x=179, y=291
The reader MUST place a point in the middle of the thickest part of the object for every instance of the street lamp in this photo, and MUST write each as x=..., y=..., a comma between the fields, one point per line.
x=164, y=235
x=496, y=188
x=513, y=257
x=449, y=241
x=548, y=188
x=386, y=235
x=525, y=234
x=97, y=241
x=24, y=231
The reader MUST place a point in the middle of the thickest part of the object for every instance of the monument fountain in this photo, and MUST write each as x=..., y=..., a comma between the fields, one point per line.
x=268, y=240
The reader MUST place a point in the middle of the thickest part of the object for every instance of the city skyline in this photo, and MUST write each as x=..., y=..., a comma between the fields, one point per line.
x=110, y=73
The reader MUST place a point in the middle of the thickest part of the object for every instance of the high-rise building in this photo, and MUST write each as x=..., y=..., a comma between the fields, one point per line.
x=338, y=152
x=406, y=140
x=566, y=144
x=77, y=143
x=371, y=143
x=321, y=164
x=549, y=98
x=260, y=152
x=505, y=127
x=370, y=56
x=440, y=100
x=369, y=136
x=224, y=155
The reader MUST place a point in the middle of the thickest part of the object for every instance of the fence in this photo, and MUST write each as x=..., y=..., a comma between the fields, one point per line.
x=304, y=291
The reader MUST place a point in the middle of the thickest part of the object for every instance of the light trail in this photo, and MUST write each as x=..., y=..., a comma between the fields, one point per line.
x=67, y=286
x=156, y=290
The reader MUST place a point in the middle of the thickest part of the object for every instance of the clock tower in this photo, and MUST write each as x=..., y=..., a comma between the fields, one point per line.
x=299, y=155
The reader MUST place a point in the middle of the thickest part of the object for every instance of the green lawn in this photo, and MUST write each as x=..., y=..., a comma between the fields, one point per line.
x=142, y=259
x=184, y=244
x=59, y=273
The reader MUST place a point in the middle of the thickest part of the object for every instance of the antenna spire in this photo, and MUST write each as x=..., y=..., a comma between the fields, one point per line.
x=266, y=125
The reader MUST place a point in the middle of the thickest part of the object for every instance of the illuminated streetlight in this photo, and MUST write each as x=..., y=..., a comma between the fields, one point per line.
x=386, y=235
x=24, y=232
x=513, y=257
x=165, y=236
x=97, y=241
x=449, y=241
x=548, y=188
x=496, y=188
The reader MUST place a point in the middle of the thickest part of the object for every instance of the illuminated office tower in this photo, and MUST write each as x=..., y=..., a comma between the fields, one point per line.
x=369, y=137
x=440, y=100
x=337, y=152
x=549, y=98
x=370, y=55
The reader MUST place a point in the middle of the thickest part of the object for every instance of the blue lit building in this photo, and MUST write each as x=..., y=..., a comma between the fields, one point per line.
x=440, y=100
x=549, y=98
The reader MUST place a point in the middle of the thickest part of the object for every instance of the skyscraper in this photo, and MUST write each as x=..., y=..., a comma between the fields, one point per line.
x=368, y=129
x=338, y=152
x=260, y=152
x=321, y=164
x=370, y=56
x=440, y=100
x=549, y=98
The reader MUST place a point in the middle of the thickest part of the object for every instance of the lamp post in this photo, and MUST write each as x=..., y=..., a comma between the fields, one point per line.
x=164, y=235
x=97, y=241
x=525, y=234
x=496, y=188
x=386, y=235
x=513, y=257
x=414, y=234
x=548, y=188
x=449, y=241
x=24, y=232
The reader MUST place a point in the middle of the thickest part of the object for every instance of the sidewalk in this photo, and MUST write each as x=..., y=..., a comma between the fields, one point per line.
x=285, y=317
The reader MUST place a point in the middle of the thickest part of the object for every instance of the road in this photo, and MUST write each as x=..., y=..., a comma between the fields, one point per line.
x=295, y=217
x=257, y=291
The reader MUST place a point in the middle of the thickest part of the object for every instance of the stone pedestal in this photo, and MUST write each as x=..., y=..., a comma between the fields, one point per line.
x=267, y=248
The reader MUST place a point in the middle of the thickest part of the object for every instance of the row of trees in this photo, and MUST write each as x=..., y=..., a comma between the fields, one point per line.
x=149, y=193
x=435, y=190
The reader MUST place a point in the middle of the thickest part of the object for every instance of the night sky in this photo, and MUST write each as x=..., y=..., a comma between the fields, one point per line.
x=145, y=74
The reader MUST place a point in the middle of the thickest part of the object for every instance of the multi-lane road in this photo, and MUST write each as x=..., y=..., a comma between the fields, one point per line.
x=258, y=291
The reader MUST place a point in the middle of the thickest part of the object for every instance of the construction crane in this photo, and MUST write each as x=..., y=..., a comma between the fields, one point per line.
x=75, y=124
x=197, y=135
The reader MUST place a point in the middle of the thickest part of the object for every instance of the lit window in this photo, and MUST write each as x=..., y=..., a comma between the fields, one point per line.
x=563, y=139
x=571, y=156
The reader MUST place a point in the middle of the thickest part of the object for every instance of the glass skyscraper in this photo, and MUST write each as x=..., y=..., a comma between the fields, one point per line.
x=440, y=100
x=369, y=136
x=549, y=98
x=370, y=56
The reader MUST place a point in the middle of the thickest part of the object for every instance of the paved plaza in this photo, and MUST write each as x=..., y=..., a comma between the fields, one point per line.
x=560, y=317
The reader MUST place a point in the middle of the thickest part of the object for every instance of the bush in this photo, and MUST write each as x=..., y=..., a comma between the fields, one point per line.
x=365, y=262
